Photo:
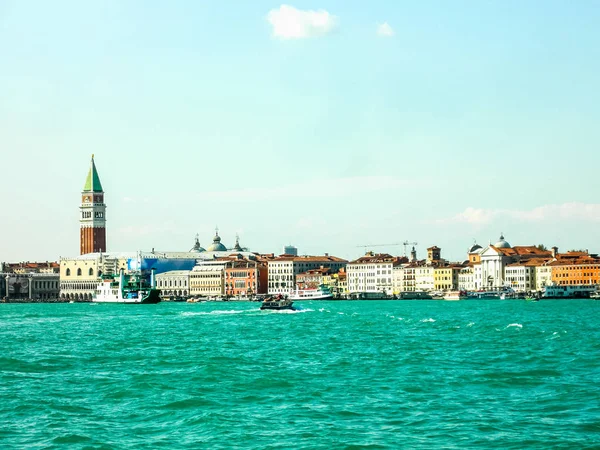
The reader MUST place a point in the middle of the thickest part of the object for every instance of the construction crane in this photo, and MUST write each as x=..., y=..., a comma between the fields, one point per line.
x=406, y=244
x=377, y=245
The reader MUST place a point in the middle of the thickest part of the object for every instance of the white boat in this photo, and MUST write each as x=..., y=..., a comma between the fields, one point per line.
x=455, y=295
x=569, y=291
x=320, y=293
x=130, y=288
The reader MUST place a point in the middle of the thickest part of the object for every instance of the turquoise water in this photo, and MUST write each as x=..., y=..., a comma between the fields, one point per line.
x=418, y=374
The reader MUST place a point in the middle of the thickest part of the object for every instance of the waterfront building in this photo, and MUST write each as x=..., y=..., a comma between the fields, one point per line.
x=403, y=277
x=284, y=269
x=466, y=278
x=246, y=277
x=424, y=278
x=337, y=283
x=495, y=258
x=313, y=278
x=175, y=283
x=520, y=276
x=445, y=277
x=372, y=273
x=207, y=279
x=575, y=268
x=29, y=281
x=543, y=276
x=397, y=278
x=80, y=275
x=92, y=218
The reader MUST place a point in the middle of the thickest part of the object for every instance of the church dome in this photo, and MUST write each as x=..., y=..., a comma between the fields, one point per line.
x=216, y=246
x=197, y=248
x=474, y=248
x=502, y=243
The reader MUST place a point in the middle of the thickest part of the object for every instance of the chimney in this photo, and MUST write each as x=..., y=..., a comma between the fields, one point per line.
x=554, y=251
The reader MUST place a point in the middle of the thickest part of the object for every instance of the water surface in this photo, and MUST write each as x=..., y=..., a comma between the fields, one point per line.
x=389, y=374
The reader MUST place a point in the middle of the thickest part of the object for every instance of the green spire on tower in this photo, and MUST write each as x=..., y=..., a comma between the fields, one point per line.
x=92, y=182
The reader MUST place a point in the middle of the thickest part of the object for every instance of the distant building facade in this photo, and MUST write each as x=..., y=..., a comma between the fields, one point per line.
x=284, y=269
x=372, y=273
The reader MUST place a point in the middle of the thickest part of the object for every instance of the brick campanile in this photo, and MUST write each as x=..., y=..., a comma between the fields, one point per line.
x=92, y=219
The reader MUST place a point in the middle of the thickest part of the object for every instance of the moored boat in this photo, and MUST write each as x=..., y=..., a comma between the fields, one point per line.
x=130, y=289
x=455, y=295
x=321, y=293
x=557, y=291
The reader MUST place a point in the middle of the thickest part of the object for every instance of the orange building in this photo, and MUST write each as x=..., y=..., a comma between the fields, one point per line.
x=246, y=277
x=575, y=268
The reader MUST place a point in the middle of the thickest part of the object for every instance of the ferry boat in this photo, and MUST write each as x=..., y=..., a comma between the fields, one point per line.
x=455, y=295
x=493, y=294
x=276, y=303
x=568, y=291
x=321, y=293
x=130, y=288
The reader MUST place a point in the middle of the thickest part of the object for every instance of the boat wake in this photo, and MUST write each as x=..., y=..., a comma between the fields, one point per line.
x=217, y=312
x=290, y=311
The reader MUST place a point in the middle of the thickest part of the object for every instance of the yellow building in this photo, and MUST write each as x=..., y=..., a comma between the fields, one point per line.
x=445, y=278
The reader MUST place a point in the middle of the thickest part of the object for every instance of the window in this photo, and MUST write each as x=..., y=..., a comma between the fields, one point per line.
x=68, y=272
x=91, y=272
x=79, y=272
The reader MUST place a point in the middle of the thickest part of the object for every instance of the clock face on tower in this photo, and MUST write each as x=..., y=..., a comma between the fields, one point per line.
x=86, y=198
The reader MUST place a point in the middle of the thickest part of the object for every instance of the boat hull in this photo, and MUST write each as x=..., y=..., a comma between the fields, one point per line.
x=151, y=298
x=276, y=306
x=314, y=297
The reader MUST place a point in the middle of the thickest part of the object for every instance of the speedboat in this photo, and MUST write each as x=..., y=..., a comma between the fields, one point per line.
x=276, y=303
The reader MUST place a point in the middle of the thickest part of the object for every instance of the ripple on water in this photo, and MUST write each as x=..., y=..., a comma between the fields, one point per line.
x=351, y=375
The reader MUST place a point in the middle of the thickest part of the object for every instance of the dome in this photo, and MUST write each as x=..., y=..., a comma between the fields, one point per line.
x=197, y=248
x=216, y=246
x=474, y=248
x=502, y=243
x=238, y=247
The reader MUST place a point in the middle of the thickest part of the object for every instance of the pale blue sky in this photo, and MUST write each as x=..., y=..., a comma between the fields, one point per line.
x=475, y=117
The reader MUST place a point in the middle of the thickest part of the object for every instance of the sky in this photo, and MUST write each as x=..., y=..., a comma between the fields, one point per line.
x=326, y=124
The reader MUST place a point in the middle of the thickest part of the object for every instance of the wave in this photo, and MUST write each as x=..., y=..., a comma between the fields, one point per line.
x=430, y=320
x=217, y=312
x=291, y=311
x=516, y=325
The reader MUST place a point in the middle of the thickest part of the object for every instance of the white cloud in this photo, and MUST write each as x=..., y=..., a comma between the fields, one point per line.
x=385, y=30
x=588, y=212
x=291, y=23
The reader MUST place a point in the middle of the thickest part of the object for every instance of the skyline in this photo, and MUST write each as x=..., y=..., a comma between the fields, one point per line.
x=317, y=124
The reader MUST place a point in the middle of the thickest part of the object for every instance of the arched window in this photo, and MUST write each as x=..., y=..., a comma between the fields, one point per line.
x=79, y=272
x=91, y=272
x=68, y=272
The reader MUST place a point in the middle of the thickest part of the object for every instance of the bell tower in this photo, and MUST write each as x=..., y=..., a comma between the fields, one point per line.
x=92, y=219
